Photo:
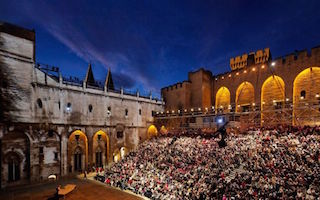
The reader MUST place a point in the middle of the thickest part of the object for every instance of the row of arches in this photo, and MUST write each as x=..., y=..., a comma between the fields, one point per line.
x=153, y=131
x=78, y=148
x=78, y=152
x=57, y=154
x=306, y=91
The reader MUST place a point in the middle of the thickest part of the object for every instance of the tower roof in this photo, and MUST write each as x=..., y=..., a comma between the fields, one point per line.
x=109, y=81
x=89, y=77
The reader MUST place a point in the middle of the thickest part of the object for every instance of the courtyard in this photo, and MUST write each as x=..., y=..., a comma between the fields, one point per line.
x=86, y=189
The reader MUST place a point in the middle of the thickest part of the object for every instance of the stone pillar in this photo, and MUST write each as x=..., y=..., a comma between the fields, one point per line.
x=64, y=155
x=90, y=151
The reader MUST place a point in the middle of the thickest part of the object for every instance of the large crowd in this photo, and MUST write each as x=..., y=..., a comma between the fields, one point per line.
x=266, y=163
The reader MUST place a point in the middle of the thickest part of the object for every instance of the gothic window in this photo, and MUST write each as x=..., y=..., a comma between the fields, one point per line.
x=69, y=107
x=56, y=156
x=90, y=108
x=303, y=94
x=109, y=110
x=39, y=102
x=13, y=167
x=119, y=134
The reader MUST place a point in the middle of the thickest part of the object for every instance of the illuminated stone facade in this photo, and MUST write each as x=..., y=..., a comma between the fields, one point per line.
x=52, y=125
x=258, y=89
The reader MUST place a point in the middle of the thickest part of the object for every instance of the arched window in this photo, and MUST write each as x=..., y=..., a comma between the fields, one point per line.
x=13, y=162
x=303, y=94
x=90, y=108
x=39, y=102
x=69, y=107
x=119, y=134
x=109, y=111
x=126, y=112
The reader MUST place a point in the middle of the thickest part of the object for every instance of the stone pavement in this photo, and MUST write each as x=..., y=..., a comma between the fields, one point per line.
x=86, y=189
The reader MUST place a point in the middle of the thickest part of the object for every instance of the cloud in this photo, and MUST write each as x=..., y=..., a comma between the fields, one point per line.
x=123, y=52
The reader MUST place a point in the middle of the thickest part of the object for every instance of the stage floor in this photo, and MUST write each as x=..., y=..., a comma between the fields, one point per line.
x=86, y=189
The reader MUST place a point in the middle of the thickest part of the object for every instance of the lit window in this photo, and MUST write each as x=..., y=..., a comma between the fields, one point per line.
x=303, y=94
x=69, y=108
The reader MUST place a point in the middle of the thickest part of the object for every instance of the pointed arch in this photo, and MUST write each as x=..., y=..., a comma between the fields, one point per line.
x=223, y=99
x=244, y=95
x=15, y=150
x=77, y=151
x=152, y=131
x=272, y=98
x=163, y=130
x=101, y=142
x=306, y=93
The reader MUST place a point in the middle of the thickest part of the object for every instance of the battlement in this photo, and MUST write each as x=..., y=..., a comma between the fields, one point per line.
x=299, y=56
x=176, y=86
x=257, y=57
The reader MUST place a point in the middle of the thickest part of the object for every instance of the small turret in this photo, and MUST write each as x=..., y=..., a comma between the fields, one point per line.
x=109, y=82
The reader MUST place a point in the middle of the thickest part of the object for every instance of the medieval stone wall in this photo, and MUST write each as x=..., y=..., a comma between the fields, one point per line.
x=266, y=86
x=49, y=126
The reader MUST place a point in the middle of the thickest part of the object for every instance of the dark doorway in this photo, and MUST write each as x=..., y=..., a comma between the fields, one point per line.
x=99, y=159
x=77, y=161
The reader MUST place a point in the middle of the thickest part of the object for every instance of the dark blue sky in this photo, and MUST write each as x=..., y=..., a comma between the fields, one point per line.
x=151, y=44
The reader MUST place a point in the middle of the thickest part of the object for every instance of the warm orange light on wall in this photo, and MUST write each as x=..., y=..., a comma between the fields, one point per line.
x=104, y=136
x=308, y=81
x=80, y=136
x=223, y=98
x=244, y=94
x=245, y=71
x=262, y=67
x=273, y=90
x=253, y=69
x=237, y=73
x=152, y=131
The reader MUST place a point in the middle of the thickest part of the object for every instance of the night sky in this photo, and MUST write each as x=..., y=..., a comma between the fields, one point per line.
x=152, y=44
